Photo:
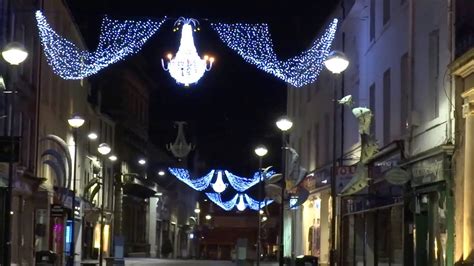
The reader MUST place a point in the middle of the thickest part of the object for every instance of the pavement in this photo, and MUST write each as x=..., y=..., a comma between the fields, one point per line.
x=166, y=262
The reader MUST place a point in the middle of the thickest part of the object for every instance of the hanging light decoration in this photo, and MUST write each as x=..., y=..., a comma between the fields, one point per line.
x=241, y=206
x=219, y=186
x=254, y=44
x=241, y=184
x=255, y=204
x=187, y=67
x=198, y=184
x=225, y=205
x=117, y=40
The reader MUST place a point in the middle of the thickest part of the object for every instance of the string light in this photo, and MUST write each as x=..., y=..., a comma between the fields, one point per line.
x=241, y=184
x=240, y=201
x=255, y=204
x=253, y=43
x=187, y=67
x=117, y=40
x=225, y=205
x=198, y=184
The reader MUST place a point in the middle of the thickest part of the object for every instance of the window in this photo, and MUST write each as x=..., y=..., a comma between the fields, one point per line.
x=372, y=20
x=433, y=50
x=327, y=137
x=386, y=106
x=386, y=11
x=403, y=93
x=316, y=144
x=373, y=127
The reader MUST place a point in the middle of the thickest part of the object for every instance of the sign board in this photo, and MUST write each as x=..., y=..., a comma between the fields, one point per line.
x=429, y=170
x=397, y=176
x=6, y=149
x=57, y=210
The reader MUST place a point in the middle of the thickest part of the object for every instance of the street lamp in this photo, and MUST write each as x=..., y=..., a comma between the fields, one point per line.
x=103, y=149
x=75, y=122
x=113, y=158
x=142, y=161
x=336, y=62
x=284, y=124
x=161, y=173
x=92, y=136
x=260, y=151
x=14, y=54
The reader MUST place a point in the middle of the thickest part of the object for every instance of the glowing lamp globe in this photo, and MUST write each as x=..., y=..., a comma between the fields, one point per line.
x=261, y=151
x=219, y=186
x=208, y=217
x=14, y=53
x=284, y=123
x=92, y=136
x=76, y=121
x=336, y=62
x=113, y=158
x=142, y=161
x=161, y=173
x=104, y=149
x=241, y=205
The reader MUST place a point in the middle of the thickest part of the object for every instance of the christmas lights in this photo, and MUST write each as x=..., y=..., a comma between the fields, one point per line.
x=255, y=204
x=117, y=40
x=187, y=67
x=253, y=43
x=219, y=186
x=241, y=206
x=241, y=184
x=198, y=184
x=225, y=205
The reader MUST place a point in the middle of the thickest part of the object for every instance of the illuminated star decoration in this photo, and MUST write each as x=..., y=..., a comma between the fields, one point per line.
x=239, y=201
x=198, y=184
x=254, y=44
x=117, y=40
x=187, y=67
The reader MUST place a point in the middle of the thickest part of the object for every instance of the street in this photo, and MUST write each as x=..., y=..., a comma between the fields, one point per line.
x=165, y=262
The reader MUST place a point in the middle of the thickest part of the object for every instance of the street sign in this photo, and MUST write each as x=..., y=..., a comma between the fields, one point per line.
x=57, y=210
x=6, y=149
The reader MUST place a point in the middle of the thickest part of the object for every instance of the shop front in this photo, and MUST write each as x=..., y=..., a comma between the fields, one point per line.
x=313, y=225
x=372, y=220
x=432, y=208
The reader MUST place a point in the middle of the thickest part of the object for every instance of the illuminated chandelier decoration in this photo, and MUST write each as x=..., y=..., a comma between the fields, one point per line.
x=240, y=201
x=187, y=67
x=117, y=40
x=254, y=44
x=219, y=186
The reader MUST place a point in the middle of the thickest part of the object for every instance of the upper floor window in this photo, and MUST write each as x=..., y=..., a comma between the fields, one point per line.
x=372, y=20
x=386, y=11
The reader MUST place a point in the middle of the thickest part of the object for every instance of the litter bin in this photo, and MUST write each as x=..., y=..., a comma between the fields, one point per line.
x=306, y=260
x=114, y=261
x=45, y=258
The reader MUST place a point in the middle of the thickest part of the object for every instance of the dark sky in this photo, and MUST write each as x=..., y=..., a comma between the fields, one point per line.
x=234, y=106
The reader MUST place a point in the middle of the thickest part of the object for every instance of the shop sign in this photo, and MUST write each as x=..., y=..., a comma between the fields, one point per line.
x=57, y=210
x=344, y=175
x=429, y=170
x=317, y=179
x=397, y=176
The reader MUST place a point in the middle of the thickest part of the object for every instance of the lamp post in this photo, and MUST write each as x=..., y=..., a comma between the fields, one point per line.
x=14, y=54
x=260, y=151
x=75, y=122
x=103, y=149
x=336, y=62
x=284, y=124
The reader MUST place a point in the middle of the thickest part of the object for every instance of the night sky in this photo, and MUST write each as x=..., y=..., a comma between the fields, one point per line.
x=234, y=107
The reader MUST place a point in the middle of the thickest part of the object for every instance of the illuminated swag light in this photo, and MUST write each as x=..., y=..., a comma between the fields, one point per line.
x=254, y=44
x=117, y=40
x=239, y=201
x=187, y=67
x=198, y=184
x=219, y=186
x=241, y=184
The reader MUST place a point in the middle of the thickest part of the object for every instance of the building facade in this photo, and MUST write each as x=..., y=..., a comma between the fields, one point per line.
x=399, y=52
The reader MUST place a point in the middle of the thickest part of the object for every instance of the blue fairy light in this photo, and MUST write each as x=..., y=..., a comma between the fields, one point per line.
x=254, y=44
x=117, y=40
x=198, y=184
